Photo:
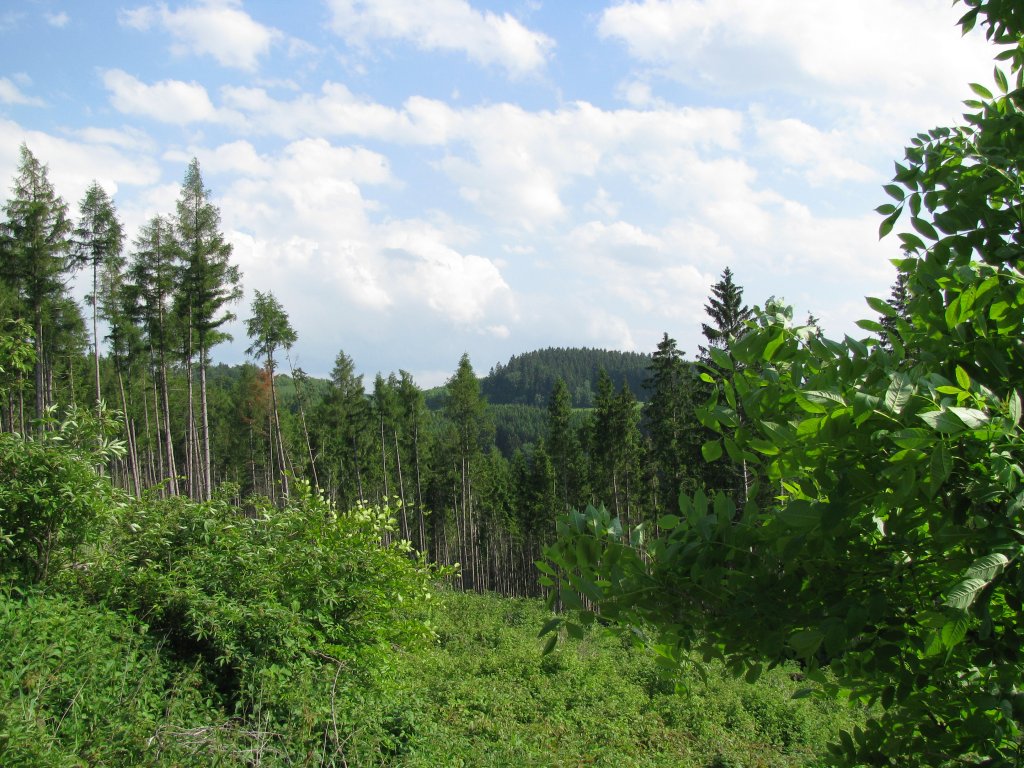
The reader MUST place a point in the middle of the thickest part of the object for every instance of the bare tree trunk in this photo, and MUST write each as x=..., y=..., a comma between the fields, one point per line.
x=419, y=489
x=133, y=457
x=401, y=488
x=96, y=336
x=205, y=414
x=282, y=460
x=301, y=397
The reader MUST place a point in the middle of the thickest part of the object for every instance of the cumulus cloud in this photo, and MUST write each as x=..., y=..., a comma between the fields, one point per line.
x=10, y=93
x=877, y=69
x=823, y=156
x=303, y=225
x=168, y=101
x=74, y=163
x=216, y=28
x=444, y=25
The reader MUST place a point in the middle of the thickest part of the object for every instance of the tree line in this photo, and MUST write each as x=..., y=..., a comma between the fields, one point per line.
x=631, y=441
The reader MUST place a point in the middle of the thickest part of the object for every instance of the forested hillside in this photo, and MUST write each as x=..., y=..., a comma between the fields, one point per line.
x=790, y=550
x=475, y=483
x=529, y=378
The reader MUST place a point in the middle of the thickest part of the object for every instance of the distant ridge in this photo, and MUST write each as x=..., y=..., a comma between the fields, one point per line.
x=529, y=378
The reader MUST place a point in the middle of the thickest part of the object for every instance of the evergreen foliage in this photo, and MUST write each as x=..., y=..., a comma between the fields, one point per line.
x=889, y=551
x=529, y=379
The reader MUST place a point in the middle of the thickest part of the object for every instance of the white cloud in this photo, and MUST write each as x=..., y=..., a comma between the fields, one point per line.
x=10, y=93
x=168, y=101
x=302, y=226
x=890, y=66
x=216, y=28
x=825, y=156
x=59, y=20
x=446, y=25
x=73, y=165
x=465, y=288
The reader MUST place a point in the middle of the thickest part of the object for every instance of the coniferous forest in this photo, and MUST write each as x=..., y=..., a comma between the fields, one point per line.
x=780, y=550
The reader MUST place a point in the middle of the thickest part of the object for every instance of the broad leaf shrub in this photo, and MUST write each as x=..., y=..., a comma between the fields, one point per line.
x=290, y=614
x=50, y=498
x=82, y=685
x=889, y=545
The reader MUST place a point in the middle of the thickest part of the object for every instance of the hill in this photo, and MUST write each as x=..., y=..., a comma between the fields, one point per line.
x=528, y=379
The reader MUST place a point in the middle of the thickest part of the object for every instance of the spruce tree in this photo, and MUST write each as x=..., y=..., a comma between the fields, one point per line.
x=270, y=330
x=210, y=282
x=152, y=277
x=98, y=240
x=671, y=423
x=35, y=245
x=727, y=311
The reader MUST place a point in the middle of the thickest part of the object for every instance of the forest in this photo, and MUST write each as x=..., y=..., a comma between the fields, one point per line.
x=785, y=550
x=475, y=483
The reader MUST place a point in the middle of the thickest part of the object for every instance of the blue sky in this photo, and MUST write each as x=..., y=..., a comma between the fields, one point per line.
x=415, y=179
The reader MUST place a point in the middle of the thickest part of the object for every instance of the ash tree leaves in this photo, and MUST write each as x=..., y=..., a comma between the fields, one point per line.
x=886, y=544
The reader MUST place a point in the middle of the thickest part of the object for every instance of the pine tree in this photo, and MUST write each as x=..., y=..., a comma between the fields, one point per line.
x=674, y=429
x=564, y=448
x=210, y=282
x=466, y=410
x=270, y=330
x=727, y=311
x=726, y=308
x=97, y=244
x=152, y=278
x=342, y=432
x=35, y=245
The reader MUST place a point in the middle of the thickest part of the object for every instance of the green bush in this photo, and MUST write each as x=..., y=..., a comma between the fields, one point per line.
x=289, y=614
x=81, y=685
x=49, y=498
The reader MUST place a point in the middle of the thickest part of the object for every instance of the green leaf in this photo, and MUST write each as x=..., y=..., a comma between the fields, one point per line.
x=871, y=325
x=799, y=515
x=942, y=421
x=711, y=450
x=721, y=358
x=773, y=345
x=915, y=437
x=887, y=224
x=1014, y=407
x=881, y=306
x=899, y=392
x=1000, y=79
x=988, y=567
x=963, y=594
x=544, y=567
x=550, y=625
x=895, y=191
x=823, y=397
x=924, y=227
x=962, y=378
x=806, y=642
x=668, y=522
x=940, y=468
x=549, y=646
x=972, y=418
x=953, y=632
x=981, y=90
x=911, y=242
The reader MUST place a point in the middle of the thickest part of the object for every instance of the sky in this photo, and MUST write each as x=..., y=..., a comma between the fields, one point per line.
x=418, y=179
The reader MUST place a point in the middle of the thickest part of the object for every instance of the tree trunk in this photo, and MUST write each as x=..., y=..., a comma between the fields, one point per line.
x=401, y=489
x=207, y=464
